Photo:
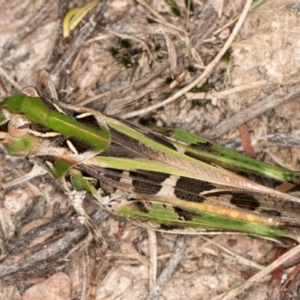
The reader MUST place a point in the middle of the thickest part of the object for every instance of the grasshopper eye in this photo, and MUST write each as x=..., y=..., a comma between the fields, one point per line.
x=18, y=126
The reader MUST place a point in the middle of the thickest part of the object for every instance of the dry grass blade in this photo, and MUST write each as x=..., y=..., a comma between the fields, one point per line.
x=259, y=276
x=201, y=79
x=153, y=258
x=104, y=266
x=9, y=79
x=238, y=257
x=222, y=94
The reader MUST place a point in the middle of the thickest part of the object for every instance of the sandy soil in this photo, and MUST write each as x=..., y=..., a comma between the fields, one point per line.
x=137, y=47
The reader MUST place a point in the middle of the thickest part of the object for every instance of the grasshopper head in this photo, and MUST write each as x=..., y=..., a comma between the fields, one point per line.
x=16, y=139
x=15, y=125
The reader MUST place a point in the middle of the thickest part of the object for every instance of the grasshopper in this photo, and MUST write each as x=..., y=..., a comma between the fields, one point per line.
x=169, y=180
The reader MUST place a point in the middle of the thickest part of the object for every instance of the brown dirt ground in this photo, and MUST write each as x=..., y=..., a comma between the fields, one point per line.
x=134, y=50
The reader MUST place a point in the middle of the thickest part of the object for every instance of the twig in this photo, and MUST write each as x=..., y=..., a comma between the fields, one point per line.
x=283, y=139
x=41, y=257
x=169, y=269
x=246, y=141
x=282, y=95
x=24, y=240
